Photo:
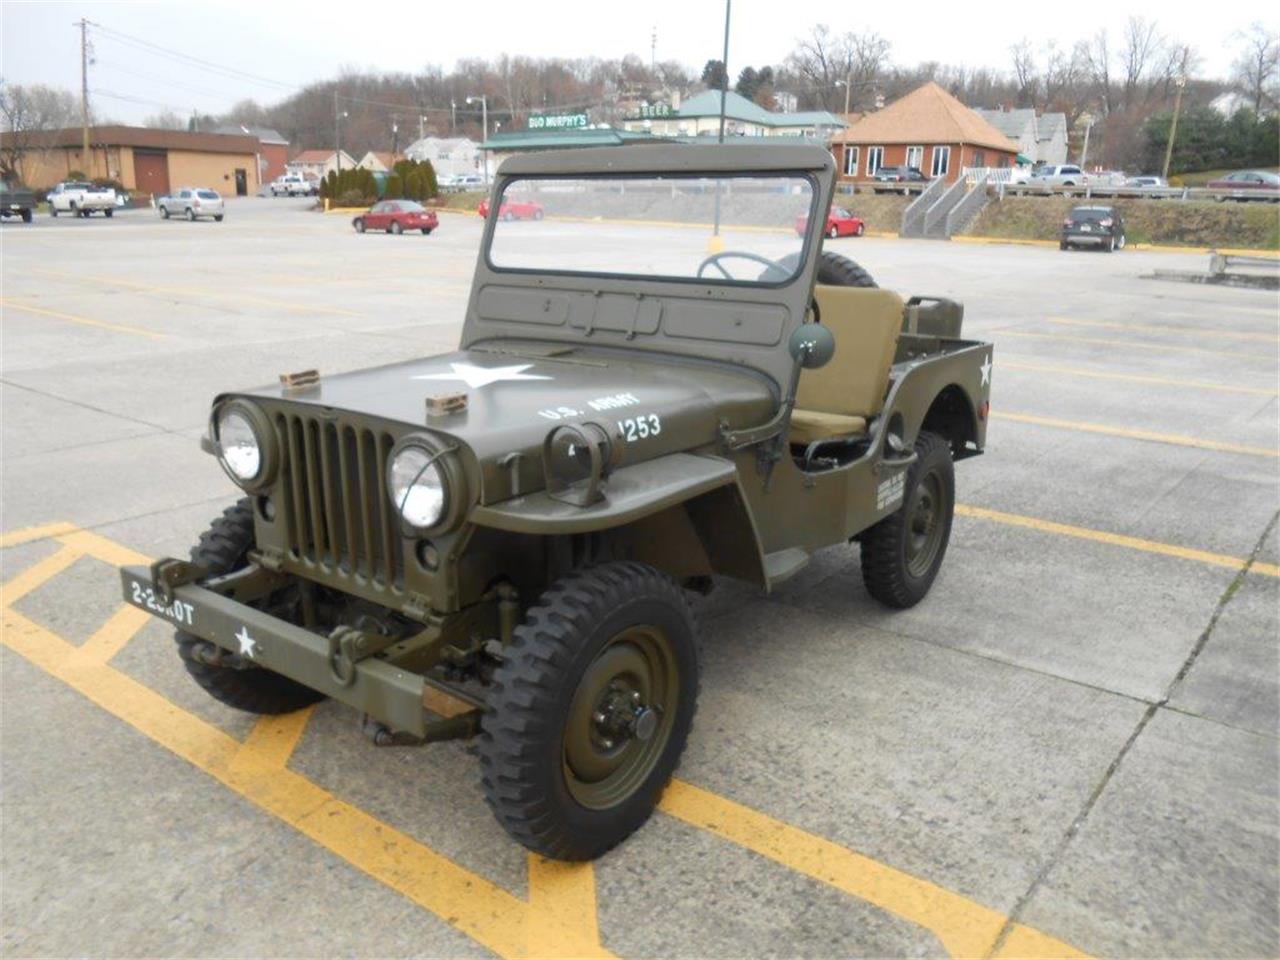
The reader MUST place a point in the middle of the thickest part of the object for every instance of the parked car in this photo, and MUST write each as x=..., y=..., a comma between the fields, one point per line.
x=397, y=216
x=1147, y=180
x=513, y=210
x=840, y=223
x=1058, y=175
x=294, y=185
x=16, y=201
x=80, y=199
x=468, y=181
x=192, y=202
x=1093, y=226
x=1247, y=185
x=902, y=175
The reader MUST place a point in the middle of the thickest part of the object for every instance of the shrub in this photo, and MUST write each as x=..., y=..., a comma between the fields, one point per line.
x=395, y=187
x=352, y=198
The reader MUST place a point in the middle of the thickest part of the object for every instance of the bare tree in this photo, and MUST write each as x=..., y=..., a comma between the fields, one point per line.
x=27, y=112
x=1095, y=56
x=1024, y=72
x=1256, y=72
x=1142, y=47
x=824, y=62
x=166, y=120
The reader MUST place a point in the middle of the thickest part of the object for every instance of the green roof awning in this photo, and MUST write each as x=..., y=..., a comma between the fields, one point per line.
x=1023, y=158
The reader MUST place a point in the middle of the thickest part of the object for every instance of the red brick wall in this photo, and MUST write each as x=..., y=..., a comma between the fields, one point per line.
x=274, y=156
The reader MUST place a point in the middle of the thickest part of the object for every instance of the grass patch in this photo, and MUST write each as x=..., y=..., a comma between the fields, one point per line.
x=466, y=200
x=1173, y=222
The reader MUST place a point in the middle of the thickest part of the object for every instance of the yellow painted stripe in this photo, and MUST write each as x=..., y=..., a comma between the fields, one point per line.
x=488, y=914
x=1138, y=344
x=1147, y=247
x=1167, y=328
x=1114, y=539
x=563, y=917
x=83, y=321
x=27, y=534
x=1026, y=943
x=274, y=738
x=111, y=637
x=1137, y=378
x=29, y=579
x=1170, y=438
x=964, y=927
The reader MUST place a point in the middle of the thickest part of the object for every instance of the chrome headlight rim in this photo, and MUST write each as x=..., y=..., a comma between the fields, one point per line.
x=262, y=433
x=443, y=458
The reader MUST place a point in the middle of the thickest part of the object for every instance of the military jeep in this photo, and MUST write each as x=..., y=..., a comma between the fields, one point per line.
x=659, y=384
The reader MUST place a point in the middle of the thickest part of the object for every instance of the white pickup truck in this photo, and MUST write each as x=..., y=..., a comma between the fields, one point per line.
x=80, y=199
x=293, y=185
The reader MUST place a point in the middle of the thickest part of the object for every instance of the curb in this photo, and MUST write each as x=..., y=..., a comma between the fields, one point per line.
x=1148, y=247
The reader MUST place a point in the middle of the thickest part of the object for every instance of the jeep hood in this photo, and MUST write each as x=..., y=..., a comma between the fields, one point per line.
x=517, y=394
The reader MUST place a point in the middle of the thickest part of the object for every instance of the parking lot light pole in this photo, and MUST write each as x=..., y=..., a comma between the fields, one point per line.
x=716, y=243
x=484, y=123
x=337, y=131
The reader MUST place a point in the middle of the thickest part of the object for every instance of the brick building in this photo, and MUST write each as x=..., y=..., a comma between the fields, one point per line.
x=928, y=129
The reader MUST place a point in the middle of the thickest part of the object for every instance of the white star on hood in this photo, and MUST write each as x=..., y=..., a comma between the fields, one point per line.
x=476, y=377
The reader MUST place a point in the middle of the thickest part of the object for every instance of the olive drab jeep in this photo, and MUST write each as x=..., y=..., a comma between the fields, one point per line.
x=660, y=382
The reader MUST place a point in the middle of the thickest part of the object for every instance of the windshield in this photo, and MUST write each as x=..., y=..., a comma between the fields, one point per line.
x=735, y=229
x=1092, y=213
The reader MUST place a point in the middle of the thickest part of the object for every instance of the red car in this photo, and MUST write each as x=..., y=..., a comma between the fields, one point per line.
x=840, y=223
x=1247, y=185
x=397, y=216
x=513, y=210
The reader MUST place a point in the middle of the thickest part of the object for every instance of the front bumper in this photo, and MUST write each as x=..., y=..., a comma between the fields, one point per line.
x=380, y=689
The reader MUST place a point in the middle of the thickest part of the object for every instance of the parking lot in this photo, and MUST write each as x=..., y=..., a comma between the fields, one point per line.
x=1069, y=748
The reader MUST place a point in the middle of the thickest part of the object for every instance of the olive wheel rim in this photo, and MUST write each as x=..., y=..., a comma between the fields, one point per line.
x=924, y=524
x=621, y=718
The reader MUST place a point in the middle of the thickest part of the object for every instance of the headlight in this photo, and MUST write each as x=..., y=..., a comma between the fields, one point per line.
x=417, y=486
x=240, y=449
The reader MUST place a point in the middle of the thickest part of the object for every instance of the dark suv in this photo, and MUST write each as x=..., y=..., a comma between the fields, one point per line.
x=1093, y=226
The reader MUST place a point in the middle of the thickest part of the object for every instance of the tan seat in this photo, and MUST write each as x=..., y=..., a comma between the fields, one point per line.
x=836, y=401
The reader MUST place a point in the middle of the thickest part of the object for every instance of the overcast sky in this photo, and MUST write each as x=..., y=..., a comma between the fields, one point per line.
x=294, y=44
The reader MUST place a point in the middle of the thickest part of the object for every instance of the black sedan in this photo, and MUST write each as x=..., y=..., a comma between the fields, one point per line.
x=1093, y=226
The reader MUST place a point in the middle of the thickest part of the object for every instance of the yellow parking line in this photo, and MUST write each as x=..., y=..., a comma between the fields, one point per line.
x=1138, y=378
x=563, y=917
x=111, y=637
x=1027, y=943
x=27, y=534
x=29, y=579
x=274, y=738
x=1115, y=539
x=1170, y=438
x=1167, y=328
x=964, y=927
x=83, y=321
x=1140, y=344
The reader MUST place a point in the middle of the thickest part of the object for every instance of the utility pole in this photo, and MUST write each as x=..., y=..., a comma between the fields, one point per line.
x=724, y=89
x=848, y=86
x=84, y=94
x=337, y=133
x=1181, y=83
x=653, y=50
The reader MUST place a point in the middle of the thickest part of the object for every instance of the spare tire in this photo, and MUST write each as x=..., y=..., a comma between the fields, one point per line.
x=833, y=271
x=837, y=271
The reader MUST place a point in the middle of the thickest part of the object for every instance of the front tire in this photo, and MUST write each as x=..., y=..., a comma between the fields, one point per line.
x=190, y=214
x=862, y=228
x=901, y=555
x=109, y=213
x=590, y=711
x=164, y=213
x=27, y=215
x=223, y=549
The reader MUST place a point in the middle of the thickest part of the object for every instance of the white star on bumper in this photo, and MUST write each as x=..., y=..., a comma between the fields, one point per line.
x=248, y=645
x=986, y=371
x=476, y=377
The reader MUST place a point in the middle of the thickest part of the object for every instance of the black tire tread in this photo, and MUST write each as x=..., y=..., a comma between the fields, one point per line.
x=522, y=697
x=835, y=270
x=884, y=572
x=221, y=549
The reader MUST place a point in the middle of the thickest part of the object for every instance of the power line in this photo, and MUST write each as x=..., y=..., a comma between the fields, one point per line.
x=189, y=60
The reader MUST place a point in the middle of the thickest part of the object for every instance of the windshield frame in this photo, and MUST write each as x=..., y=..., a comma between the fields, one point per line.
x=806, y=248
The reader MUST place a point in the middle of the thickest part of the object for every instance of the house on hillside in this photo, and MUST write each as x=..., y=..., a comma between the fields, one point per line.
x=1041, y=137
x=273, y=148
x=316, y=164
x=929, y=129
x=380, y=161
x=450, y=156
x=699, y=116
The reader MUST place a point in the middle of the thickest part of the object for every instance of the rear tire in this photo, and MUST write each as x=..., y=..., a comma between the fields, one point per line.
x=27, y=216
x=1063, y=245
x=862, y=228
x=109, y=213
x=217, y=218
x=222, y=549
x=395, y=228
x=358, y=223
x=426, y=231
x=190, y=214
x=590, y=711
x=901, y=555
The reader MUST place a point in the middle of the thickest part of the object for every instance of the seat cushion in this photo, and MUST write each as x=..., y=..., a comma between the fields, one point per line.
x=865, y=323
x=810, y=425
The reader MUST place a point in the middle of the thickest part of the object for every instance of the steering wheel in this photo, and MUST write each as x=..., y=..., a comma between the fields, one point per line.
x=715, y=258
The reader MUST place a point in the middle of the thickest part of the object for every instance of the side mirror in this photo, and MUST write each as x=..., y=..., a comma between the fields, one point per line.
x=812, y=345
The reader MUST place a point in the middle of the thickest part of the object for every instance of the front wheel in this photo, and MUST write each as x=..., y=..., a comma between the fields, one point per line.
x=191, y=214
x=861, y=229
x=834, y=232
x=53, y=211
x=589, y=713
x=231, y=679
x=27, y=215
x=426, y=231
x=902, y=553
x=164, y=213
x=217, y=218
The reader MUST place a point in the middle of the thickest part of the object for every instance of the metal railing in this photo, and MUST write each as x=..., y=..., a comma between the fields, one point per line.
x=970, y=205
x=913, y=216
x=935, y=218
x=1122, y=192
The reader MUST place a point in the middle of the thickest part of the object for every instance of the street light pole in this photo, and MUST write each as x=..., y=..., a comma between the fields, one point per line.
x=84, y=94
x=337, y=133
x=484, y=123
x=1177, y=109
x=724, y=63
x=848, y=86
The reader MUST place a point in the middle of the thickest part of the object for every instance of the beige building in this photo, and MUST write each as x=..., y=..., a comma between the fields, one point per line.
x=142, y=159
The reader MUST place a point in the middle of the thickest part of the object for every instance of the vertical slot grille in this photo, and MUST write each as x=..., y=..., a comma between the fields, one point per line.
x=333, y=485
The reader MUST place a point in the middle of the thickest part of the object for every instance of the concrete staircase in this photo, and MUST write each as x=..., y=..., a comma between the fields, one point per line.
x=942, y=211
